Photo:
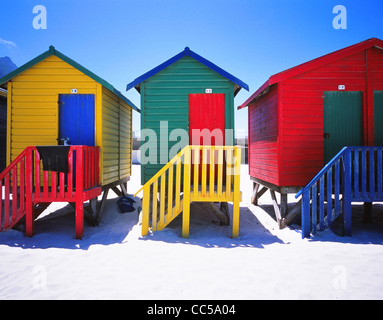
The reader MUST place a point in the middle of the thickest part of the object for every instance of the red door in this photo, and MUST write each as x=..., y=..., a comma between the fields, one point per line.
x=206, y=123
x=207, y=111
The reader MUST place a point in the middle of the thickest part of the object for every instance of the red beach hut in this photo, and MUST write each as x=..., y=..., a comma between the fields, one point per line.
x=300, y=118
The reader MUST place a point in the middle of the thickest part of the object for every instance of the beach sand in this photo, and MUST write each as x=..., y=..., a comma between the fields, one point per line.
x=113, y=261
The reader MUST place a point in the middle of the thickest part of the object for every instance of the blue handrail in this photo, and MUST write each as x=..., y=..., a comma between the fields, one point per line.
x=354, y=174
x=322, y=172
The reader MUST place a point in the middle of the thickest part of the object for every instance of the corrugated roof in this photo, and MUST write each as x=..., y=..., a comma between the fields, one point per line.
x=187, y=52
x=53, y=52
x=307, y=66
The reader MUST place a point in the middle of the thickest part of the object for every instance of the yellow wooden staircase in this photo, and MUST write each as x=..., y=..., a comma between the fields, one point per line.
x=197, y=173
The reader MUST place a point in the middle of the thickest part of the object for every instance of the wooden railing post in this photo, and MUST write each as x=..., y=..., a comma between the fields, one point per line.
x=186, y=199
x=145, y=211
x=29, y=216
x=347, y=192
x=237, y=192
x=306, y=213
x=79, y=192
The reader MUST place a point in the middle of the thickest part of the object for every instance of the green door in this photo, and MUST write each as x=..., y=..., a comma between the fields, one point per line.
x=378, y=116
x=342, y=121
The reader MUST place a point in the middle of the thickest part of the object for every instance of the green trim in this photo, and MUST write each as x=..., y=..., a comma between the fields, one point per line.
x=26, y=66
x=53, y=52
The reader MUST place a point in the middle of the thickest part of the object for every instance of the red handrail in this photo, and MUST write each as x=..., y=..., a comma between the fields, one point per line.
x=26, y=183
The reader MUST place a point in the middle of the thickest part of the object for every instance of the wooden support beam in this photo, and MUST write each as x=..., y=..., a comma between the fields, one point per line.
x=124, y=188
x=100, y=206
x=254, y=199
x=117, y=191
x=224, y=219
x=276, y=208
x=225, y=209
x=283, y=205
x=292, y=214
x=367, y=214
x=257, y=194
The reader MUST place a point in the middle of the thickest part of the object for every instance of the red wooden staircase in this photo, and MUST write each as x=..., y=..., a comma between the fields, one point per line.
x=26, y=189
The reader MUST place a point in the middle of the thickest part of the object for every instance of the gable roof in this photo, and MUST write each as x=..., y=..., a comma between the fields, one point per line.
x=310, y=65
x=53, y=52
x=187, y=52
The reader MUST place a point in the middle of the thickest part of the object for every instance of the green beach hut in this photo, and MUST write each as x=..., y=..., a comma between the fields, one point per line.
x=185, y=92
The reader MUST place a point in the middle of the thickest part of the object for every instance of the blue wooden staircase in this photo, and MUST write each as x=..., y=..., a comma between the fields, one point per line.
x=355, y=174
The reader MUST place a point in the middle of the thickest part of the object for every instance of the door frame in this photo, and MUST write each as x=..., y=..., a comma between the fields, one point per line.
x=375, y=93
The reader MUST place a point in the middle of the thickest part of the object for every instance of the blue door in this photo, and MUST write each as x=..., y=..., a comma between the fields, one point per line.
x=76, y=118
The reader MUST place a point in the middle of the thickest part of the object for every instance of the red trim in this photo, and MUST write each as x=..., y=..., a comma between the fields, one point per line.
x=25, y=171
x=254, y=95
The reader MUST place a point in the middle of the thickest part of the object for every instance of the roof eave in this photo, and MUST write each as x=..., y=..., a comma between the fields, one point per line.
x=254, y=95
x=187, y=52
x=325, y=59
x=74, y=64
x=27, y=65
x=312, y=64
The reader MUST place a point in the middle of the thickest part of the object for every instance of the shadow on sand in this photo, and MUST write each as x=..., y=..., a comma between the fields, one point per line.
x=363, y=232
x=57, y=229
x=206, y=232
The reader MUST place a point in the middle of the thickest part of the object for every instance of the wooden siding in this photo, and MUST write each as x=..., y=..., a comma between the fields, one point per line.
x=164, y=97
x=263, y=137
x=34, y=102
x=33, y=116
x=116, y=138
x=375, y=83
x=3, y=132
x=286, y=128
x=301, y=113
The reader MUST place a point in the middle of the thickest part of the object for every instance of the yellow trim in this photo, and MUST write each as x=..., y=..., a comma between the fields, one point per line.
x=237, y=193
x=186, y=199
x=155, y=191
x=145, y=209
x=170, y=192
x=98, y=133
x=178, y=184
x=9, y=122
x=162, y=201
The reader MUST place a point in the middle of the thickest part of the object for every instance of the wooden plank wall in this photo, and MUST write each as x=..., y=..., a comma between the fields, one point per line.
x=301, y=113
x=165, y=97
x=286, y=133
x=34, y=102
x=116, y=138
x=263, y=137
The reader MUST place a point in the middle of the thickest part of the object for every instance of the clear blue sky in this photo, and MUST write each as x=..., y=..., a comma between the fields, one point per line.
x=120, y=40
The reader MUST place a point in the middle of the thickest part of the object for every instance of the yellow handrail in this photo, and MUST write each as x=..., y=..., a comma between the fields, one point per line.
x=164, y=168
x=208, y=175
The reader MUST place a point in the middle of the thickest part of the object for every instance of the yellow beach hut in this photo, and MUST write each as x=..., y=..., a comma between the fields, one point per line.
x=54, y=100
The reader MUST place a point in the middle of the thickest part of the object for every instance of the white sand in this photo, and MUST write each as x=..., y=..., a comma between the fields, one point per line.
x=114, y=262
